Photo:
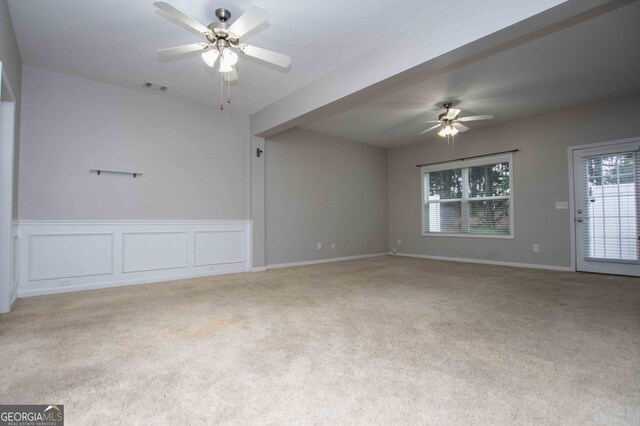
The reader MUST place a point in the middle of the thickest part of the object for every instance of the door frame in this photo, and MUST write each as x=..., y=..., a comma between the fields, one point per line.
x=7, y=159
x=572, y=208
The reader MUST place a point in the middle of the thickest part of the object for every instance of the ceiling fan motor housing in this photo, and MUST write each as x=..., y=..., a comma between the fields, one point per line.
x=220, y=30
x=442, y=117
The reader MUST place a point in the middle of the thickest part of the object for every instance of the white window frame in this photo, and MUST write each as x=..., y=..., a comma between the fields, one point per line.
x=465, y=165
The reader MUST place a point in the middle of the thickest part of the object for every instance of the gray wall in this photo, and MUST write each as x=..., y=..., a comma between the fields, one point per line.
x=324, y=189
x=194, y=158
x=12, y=64
x=540, y=179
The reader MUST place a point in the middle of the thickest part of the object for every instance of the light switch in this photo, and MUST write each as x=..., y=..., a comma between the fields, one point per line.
x=562, y=205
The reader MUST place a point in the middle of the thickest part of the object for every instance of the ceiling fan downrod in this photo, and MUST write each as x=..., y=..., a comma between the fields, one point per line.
x=223, y=14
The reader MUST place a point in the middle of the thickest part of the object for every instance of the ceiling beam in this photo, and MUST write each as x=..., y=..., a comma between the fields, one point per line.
x=474, y=30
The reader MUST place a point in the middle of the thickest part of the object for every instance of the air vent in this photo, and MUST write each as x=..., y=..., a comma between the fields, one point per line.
x=155, y=86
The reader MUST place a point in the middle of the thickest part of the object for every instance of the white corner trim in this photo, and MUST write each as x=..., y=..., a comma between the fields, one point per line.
x=329, y=260
x=488, y=262
x=14, y=295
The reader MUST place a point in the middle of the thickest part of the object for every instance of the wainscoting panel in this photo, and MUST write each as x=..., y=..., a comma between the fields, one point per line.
x=63, y=256
x=69, y=255
x=152, y=251
x=213, y=248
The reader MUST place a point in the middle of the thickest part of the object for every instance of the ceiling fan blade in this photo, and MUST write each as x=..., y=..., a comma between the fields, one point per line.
x=231, y=76
x=452, y=113
x=476, y=117
x=248, y=21
x=460, y=127
x=429, y=129
x=176, y=14
x=181, y=50
x=426, y=121
x=266, y=55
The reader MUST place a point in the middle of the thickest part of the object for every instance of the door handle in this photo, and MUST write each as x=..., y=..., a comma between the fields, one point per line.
x=579, y=219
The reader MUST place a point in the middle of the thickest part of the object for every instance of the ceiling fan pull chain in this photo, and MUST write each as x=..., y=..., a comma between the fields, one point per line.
x=221, y=92
x=228, y=91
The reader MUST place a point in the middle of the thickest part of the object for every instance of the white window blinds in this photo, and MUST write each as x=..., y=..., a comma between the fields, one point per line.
x=469, y=197
x=610, y=210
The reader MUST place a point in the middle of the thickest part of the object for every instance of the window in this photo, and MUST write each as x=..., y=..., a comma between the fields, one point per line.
x=469, y=198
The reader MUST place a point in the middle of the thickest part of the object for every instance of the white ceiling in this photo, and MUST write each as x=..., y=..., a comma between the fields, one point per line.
x=114, y=41
x=593, y=60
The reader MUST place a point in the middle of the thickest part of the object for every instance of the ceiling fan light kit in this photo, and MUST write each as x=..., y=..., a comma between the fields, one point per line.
x=449, y=122
x=448, y=130
x=227, y=60
x=222, y=41
x=210, y=57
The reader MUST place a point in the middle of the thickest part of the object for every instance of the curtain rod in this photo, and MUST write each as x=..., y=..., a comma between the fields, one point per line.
x=467, y=158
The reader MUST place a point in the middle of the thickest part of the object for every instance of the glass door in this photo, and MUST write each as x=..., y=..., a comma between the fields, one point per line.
x=606, y=217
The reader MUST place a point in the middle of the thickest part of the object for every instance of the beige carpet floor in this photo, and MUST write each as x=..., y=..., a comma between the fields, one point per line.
x=385, y=340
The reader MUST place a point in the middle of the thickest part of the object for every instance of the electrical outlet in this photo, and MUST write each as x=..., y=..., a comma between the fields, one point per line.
x=333, y=246
x=536, y=248
x=399, y=242
x=65, y=283
x=319, y=246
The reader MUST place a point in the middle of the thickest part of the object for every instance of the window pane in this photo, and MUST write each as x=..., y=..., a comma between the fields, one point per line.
x=594, y=167
x=444, y=217
x=610, y=169
x=470, y=200
x=610, y=219
x=627, y=164
x=445, y=185
x=489, y=180
x=489, y=217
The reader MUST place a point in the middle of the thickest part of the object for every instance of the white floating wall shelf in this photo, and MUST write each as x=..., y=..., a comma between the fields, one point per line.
x=117, y=172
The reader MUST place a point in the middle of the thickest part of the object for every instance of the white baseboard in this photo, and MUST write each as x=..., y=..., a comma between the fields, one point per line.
x=119, y=283
x=487, y=262
x=260, y=269
x=65, y=256
x=332, y=259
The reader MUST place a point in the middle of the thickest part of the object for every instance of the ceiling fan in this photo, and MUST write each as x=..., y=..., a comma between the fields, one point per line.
x=449, y=122
x=221, y=41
